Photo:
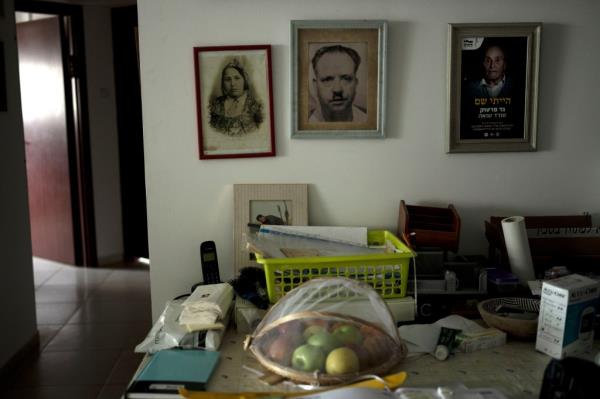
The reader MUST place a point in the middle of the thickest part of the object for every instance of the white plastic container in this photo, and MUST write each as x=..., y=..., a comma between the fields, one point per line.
x=567, y=311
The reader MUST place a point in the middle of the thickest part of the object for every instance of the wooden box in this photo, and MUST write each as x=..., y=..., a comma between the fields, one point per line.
x=426, y=226
x=575, y=252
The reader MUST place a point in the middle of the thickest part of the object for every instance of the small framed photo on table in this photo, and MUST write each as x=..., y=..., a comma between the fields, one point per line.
x=234, y=100
x=258, y=204
x=493, y=87
x=338, y=79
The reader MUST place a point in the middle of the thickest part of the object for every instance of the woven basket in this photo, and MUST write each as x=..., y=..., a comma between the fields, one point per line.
x=516, y=327
x=389, y=353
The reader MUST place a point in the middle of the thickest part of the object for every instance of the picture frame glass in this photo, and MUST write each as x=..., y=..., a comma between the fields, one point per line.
x=279, y=212
x=338, y=76
x=493, y=86
x=234, y=101
x=257, y=204
x=493, y=77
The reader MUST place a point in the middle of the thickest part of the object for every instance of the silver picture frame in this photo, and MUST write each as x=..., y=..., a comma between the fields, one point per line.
x=357, y=108
x=492, y=87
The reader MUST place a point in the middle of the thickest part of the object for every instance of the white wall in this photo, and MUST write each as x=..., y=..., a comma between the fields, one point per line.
x=17, y=311
x=103, y=133
x=361, y=182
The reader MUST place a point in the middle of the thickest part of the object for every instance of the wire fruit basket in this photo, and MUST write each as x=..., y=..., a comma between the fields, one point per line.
x=312, y=336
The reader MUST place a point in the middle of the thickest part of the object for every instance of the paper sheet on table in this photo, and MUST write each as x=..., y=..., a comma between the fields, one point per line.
x=344, y=235
x=272, y=244
x=422, y=338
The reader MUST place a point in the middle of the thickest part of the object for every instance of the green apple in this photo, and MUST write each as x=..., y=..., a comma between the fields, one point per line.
x=325, y=340
x=348, y=334
x=311, y=330
x=308, y=358
x=342, y=361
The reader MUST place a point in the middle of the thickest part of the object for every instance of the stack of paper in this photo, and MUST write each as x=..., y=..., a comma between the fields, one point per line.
x=274, y=241
x=207, y=307
x=345, y=235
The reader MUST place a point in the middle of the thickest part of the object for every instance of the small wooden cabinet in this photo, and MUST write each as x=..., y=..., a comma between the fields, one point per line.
x=426, y=226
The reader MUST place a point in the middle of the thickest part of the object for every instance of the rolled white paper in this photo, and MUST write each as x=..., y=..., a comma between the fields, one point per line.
x=517, y=248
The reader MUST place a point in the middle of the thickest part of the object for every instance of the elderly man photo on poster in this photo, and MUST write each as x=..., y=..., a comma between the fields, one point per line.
x=493, y=77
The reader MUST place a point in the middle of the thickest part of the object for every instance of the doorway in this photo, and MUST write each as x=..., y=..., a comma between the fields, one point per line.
x=54, y=102
x=131, y=140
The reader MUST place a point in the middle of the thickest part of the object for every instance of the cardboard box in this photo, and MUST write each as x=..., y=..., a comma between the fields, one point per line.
x=247, y=315
x=486, y=339
x=567, y=311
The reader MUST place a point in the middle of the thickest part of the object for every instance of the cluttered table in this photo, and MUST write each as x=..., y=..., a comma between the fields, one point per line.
x=515, y=369
x=335, y=316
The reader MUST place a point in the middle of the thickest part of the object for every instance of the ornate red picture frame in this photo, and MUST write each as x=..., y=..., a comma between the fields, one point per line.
x=234, y=99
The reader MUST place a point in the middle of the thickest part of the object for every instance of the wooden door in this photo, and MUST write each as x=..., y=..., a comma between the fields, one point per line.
x=45, y=127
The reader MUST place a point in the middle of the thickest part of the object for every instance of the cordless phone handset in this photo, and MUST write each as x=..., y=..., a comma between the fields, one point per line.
x=210, y=264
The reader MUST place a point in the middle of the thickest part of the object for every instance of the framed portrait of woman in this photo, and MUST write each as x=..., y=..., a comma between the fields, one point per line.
x=234, y=99
x=493, y=87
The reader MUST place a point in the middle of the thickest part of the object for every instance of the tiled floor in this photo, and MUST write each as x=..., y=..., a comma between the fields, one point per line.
x=89, y=320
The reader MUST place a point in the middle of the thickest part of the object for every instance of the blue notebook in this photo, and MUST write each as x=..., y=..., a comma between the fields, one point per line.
x=171, y=369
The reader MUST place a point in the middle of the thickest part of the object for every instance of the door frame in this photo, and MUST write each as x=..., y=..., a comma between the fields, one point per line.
x=124, y=22
x=78, y=136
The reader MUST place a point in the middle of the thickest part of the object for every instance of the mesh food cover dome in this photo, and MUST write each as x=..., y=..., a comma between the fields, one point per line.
x=328, y=331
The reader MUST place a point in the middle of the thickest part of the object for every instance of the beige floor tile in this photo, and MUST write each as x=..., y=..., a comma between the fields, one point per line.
x=41, y=276
x=55, y=313
x=69, y=369
x=121, y=292
x=125, y=368
x=48, y=293
x=93, y=311
x=54, y=392
x=89, y=321
x=99, y=336
x=80, y=276
x=112, y=391
x=47, y=332
x=134, y=276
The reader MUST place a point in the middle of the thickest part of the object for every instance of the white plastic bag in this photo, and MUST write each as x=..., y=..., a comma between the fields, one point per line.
x=166, y=332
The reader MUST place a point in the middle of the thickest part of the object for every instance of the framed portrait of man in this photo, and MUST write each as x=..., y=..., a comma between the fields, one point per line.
x=338, y=79
x=234, y=99
x=493, y=87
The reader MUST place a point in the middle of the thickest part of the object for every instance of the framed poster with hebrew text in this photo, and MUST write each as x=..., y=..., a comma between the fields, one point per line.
x=493, y=87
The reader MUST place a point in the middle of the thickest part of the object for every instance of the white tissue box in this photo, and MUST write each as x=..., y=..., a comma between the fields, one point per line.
x=567, y=312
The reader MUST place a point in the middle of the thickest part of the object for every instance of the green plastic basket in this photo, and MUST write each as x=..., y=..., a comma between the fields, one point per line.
x=386, y=273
